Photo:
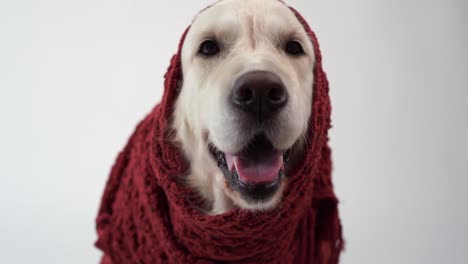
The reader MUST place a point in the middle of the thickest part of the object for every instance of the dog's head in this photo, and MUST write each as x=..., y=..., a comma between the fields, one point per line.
x=246, y=99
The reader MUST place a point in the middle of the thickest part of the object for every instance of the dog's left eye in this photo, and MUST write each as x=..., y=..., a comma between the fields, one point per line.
x=294, y=48
x=209, y=48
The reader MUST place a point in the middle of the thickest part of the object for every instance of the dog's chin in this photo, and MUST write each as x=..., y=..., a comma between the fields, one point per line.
x=255, y=176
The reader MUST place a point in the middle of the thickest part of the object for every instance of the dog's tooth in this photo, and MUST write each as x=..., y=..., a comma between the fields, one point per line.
x=230, y=162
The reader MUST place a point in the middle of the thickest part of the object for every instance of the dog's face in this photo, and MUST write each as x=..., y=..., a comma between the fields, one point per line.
x=245, y=100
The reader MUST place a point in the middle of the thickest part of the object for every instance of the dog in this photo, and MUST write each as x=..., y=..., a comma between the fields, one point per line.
x=245, y=102
x=233, y=165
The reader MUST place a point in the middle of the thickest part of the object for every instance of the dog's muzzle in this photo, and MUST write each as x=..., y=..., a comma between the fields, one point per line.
x=256, y=170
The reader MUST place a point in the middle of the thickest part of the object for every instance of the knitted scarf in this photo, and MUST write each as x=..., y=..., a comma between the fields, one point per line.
x=148, y=216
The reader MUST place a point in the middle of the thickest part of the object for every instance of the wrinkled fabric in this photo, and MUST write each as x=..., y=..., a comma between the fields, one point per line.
x=148, y=216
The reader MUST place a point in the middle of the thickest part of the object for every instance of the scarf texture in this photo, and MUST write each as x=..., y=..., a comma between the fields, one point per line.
x=148, y=216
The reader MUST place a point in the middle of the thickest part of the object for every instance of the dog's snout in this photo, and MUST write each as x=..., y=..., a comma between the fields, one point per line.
x=259, y=93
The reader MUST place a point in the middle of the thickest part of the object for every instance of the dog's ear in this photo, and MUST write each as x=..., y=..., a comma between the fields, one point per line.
x=173, y=81
x=321, y=106
x=179, y=84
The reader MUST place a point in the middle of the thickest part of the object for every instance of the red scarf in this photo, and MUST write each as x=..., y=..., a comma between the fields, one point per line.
x=148, y=216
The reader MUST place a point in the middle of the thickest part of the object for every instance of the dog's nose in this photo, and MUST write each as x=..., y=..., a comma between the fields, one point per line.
x=259, y=93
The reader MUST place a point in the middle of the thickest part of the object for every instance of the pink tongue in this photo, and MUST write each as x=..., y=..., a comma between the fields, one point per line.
x=259, y=170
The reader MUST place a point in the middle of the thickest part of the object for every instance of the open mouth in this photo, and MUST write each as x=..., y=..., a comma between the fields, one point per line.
x=255, y=171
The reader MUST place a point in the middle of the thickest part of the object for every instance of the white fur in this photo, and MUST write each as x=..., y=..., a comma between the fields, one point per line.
x=252, y=33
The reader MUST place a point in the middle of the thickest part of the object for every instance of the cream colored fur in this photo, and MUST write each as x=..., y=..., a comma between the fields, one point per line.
x=252, y=34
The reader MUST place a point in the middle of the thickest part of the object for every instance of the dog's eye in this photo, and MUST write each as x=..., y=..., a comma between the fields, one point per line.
x=209, y=48
x=294, y=48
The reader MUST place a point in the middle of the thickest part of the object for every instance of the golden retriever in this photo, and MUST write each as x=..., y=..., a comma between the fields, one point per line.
x=245, y=102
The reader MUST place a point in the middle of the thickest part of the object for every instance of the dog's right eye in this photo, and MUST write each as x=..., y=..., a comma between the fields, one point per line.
x=208, y=48
x=294, y=48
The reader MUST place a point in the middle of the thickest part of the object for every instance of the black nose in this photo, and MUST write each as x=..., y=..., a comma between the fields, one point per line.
x=259, y=93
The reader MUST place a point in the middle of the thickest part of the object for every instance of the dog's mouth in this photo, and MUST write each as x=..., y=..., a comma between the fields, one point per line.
x=255, y=171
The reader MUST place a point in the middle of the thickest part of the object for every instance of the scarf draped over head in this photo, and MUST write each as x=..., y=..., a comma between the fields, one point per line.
x=148, y=216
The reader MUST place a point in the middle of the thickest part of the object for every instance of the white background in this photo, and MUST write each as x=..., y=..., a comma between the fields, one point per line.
x=76, y=77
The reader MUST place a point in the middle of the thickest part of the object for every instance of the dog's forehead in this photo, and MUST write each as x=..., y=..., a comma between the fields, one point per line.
x=233, y=14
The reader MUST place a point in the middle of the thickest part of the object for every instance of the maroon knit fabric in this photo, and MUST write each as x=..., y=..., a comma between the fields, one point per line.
x=148, y=216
